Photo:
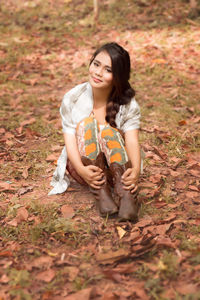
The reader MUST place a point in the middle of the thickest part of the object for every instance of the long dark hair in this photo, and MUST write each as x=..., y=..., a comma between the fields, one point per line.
x=122, y=92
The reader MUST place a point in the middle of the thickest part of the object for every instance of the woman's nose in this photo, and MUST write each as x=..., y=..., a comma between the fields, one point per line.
x=99, y=71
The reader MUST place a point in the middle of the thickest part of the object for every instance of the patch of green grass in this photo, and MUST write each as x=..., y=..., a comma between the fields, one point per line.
x=147, y=209
x=19, y=279
x=81, y=282
x=142, y=272
x=154, y=288
x=195, y=260
x=169, y=266
x=186, y=243
x=193, y=296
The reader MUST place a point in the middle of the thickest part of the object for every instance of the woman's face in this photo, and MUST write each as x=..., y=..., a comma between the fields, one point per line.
x=100, y=71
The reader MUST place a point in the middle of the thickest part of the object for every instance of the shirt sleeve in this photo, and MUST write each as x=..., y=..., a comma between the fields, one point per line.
x=67, y=105
x=131, y=116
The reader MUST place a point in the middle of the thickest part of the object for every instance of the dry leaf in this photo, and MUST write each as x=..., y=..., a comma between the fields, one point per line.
x=22, y=214
x=121, y=232
x=85, y=294
x=72, y=272
x=186, y=288
x=25, y=190
x=112, y=256
x=42, y=262
x=46, y=276
x=52, y=158
x=67, y=211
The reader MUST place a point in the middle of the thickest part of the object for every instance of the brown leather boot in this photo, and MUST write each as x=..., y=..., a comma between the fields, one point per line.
x=103, y=196
x=128, y=203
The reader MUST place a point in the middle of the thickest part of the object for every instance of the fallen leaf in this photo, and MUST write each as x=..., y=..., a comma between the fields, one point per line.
x=4, y=279
x=46, y=276
x=85, y=294
x=182, y=122
x=25, y=172
x=67, y=211
x=112, y=256
x=113, y=275
x=72, y=272
x=25, y=190
x=42, y=262
x=121, y=232
x=6, y=253
x=52, y=158
x=4, y=186
x=22, y=214
x=186, y=288
x=13, y=222
x=159, y=61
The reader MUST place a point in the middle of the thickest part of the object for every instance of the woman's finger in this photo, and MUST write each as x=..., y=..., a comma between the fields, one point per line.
x=95, y=169
x=98, y=182
x=97, y=177
x=134, y=189
x=96, y=187
x=126, y=173
x=129, y=182
x=132, y=186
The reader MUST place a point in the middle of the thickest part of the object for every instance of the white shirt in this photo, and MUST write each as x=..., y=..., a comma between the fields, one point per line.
x=77, y=104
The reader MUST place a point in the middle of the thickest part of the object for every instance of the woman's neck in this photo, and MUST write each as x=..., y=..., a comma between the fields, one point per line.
x=100, y=97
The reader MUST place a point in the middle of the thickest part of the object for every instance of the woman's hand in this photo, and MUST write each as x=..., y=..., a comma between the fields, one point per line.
x=92, y=175
x=130, y=179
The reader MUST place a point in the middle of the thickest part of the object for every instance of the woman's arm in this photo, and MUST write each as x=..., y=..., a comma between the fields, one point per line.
x=131, y=175
x=91, y=174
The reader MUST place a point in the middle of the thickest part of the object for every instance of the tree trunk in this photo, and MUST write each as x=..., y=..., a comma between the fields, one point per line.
x=96, y=10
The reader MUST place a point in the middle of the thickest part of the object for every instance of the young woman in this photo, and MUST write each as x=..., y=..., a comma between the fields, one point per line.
x=101, y=122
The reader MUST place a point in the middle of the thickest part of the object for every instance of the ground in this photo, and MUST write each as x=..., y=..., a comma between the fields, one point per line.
x=57, y=247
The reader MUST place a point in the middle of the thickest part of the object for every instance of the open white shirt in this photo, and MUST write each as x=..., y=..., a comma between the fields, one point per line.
x=77, y=104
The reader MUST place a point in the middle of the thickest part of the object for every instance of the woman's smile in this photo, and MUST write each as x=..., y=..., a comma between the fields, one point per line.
x=97, y=80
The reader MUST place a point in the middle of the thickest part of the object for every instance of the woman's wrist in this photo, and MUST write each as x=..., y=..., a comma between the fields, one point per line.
x=80, y=169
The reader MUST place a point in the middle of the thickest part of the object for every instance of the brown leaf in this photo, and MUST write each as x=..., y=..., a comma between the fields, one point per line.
x=85, y=294
x=46, y=276
x=25, y=190
x=159, y=204
x=13, y=222
x=4, y=279
x=134, y=236
x=42, y=262
x=157, y=178
x=138, y=289
x=28, y=122
x=25, y=172
x=121, y=232
x=52, y=158
x=22, y=214
x=144, y=222
x=72, y=272
x=109, y=296
x=4, y=186
x=164, y=242
x=186, y=288
x=126, y=268
x=6, y=253
x=182, y=122
x=67, y=211
x=113, y=275
x=112, y=256
x=159, y=152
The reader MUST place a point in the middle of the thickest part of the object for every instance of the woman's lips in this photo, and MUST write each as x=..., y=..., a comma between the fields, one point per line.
x=96, y=80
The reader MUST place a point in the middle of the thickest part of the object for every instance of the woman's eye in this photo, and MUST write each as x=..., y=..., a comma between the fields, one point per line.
x=96, y=64
x=109, y=70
